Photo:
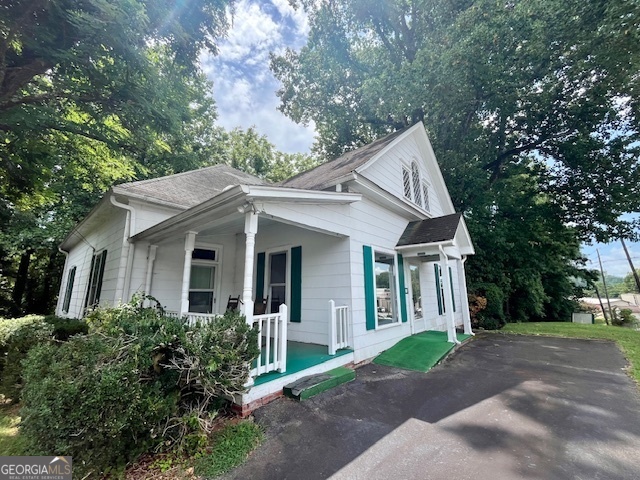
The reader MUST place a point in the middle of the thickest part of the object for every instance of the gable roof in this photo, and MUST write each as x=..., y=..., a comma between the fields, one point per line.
x=431, y=230
x=190, y=188
x=325, y=175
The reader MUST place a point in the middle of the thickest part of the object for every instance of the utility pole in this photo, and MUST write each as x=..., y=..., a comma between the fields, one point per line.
x=633, y=270
x=604, y=283
x=604, y=312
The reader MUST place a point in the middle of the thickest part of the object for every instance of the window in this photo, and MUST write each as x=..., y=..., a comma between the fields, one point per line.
x=67, y=294
x=425, y=195
x=415, y=174
x=385, y=288
x=95, y=279
x=202, y=281
x=406, y=181
x=414, y=187
x=277, y=280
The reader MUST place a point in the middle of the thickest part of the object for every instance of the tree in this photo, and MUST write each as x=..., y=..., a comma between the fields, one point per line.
x=629, y=283
x=92, y=93
x=548, y=82
x=532, y=109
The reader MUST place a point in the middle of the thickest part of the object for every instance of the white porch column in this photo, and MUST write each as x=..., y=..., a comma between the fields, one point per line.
x=151, y=258
x=189, y=243
x=464, y=299
x=250, y=230
x=448, y=300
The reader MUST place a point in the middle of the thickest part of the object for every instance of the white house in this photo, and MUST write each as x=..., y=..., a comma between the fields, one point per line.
x=312, y=247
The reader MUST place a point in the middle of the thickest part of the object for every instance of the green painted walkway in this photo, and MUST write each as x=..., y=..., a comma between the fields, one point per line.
x=419, y=352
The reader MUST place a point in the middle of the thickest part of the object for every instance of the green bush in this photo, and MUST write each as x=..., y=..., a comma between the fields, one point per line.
x=19, y=335
x=623, y=317
x=137, y=380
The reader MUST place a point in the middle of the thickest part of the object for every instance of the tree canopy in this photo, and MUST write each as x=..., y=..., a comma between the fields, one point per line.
x=93, y=93
x=532, y=109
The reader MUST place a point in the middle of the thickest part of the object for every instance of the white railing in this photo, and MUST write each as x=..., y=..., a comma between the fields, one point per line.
x=272, y=341
x=192, y=318
x=339, y=327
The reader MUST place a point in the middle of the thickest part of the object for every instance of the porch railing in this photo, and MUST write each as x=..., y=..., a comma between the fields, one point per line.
x=339, y=327
x=192, y=318
x=272, y=341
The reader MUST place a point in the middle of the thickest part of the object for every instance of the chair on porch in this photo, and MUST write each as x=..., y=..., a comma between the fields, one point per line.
x=233, y=303
x=260, y=306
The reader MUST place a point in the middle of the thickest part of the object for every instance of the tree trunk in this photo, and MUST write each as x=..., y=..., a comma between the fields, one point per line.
x=21, y=282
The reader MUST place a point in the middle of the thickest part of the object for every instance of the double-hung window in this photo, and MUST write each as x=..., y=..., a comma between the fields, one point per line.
x=202, y=283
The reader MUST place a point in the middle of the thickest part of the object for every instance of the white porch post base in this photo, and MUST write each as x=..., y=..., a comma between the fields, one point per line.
x=332, y=328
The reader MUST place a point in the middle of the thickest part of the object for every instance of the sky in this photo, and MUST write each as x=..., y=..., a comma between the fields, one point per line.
x=244, y=88
x=245, y=93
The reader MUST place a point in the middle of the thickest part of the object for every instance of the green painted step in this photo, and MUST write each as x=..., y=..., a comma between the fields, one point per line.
x=307, y=387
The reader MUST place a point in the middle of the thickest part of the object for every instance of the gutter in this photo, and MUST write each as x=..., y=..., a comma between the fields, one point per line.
x=126, y=255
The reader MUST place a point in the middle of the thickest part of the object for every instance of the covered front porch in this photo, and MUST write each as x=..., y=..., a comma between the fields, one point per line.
x=263, y=248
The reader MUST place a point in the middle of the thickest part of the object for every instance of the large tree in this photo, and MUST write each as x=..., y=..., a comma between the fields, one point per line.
x=532, y=108
x=549, y=82
x=92, y=92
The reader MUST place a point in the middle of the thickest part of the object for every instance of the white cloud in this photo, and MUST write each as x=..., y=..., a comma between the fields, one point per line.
x=244, y=88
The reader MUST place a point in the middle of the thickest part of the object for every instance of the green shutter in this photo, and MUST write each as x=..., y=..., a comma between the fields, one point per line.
x=296, y=285
x=103, y=261
x=438, y=288
x=260, y=276
x=403, y=293
x=369, y=288
x=453, y=298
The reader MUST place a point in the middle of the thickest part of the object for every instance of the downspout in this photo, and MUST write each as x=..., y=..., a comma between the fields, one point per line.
x=64, y=272
x=126, y=255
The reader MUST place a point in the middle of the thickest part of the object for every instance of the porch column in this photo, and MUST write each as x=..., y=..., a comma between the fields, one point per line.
x=151, y=258
x=464, y=300
x=450, y=319
x=189, y=242
x=250, y=230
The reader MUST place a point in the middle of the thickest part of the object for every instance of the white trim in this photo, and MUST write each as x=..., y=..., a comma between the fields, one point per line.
x=267, y=285
x=217, y=264
x=396, y=300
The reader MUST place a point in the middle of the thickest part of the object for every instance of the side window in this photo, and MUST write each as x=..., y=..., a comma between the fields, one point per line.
x=385, y=288
x=95, y=279
x=69, y=290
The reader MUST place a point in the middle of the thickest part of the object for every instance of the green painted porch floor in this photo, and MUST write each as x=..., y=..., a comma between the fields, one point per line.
x=418, y=352
x=301, y=356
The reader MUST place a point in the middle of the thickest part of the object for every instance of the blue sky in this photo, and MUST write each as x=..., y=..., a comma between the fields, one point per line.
x=244, y=88
x=245, y=92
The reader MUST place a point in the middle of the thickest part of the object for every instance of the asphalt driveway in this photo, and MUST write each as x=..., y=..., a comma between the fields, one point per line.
x=501, y=407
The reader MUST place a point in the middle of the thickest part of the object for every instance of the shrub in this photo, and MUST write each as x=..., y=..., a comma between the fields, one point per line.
x=623, y=317
x=17, y=337
x=139, y=379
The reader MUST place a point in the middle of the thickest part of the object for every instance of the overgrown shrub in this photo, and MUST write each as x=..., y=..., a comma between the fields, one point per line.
x=138, y=380
x=19, y=335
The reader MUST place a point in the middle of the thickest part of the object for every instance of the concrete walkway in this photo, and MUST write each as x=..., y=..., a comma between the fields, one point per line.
x=501, y=407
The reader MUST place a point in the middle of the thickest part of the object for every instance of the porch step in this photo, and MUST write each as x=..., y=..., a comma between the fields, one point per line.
x=307, y=387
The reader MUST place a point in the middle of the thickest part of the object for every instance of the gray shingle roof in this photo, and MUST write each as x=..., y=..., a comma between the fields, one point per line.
x=431, y=230
x=324, y=176
x=190, y=188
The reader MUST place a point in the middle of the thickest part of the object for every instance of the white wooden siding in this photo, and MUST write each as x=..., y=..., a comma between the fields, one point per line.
x=386, y=172
x=107, y=236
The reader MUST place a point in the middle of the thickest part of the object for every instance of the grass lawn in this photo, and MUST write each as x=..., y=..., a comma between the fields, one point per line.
x=627, y=339
x=10, y=441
